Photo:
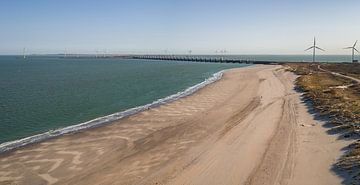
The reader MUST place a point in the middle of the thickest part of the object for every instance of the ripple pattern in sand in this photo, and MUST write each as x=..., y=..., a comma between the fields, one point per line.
x=157, y=134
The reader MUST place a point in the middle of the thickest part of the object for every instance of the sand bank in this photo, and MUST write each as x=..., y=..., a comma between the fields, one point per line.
x=248, y=128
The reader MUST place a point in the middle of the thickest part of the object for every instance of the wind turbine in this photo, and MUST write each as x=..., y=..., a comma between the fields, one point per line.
x=105, y=52
x=223, y=52
x=24, y=53
x=96, y=53
x=314, y=47
x=353, y=49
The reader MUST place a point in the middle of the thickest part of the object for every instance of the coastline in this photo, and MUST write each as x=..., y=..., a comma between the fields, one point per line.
x=12, y=145
x=250, y=127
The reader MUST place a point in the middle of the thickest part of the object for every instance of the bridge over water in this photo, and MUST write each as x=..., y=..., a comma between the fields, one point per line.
x=212, y=59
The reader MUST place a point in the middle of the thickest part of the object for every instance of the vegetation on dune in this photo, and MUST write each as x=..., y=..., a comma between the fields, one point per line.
x=349, y=69
x=339, y=99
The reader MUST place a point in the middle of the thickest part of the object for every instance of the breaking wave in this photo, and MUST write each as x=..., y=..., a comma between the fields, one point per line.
x=7, y=146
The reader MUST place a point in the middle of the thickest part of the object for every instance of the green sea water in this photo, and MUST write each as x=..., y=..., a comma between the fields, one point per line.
x=38, y=94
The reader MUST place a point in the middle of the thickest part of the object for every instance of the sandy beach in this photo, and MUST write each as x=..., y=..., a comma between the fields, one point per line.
x=250, y=127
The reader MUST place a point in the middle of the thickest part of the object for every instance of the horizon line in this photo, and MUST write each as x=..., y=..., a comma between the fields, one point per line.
x=117, y=54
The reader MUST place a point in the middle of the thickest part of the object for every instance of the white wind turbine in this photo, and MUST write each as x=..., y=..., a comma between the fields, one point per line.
x=353, y=49
x=24, y=53
x=314, y=47
x=190, y=51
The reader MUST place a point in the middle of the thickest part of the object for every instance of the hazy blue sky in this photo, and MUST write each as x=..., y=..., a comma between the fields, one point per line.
x=145, y=26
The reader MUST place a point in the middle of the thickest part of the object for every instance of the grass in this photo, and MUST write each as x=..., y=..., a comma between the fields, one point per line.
x=338, y=98
x=349, y=69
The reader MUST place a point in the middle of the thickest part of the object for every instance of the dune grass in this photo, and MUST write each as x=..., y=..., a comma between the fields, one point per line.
x=349, y=69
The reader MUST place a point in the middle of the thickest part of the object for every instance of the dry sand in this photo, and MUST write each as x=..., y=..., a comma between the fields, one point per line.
x=248, y=128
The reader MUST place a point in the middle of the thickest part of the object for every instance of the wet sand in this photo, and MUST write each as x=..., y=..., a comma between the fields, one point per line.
x=248, y=128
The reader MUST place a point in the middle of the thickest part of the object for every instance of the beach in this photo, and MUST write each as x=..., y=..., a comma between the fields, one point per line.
x=250, y=127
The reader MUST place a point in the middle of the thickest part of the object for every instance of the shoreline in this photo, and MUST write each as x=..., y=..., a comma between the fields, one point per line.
x=108, y=119
x=250, y=127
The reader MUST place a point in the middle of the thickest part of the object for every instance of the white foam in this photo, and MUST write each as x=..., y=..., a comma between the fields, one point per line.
x=107, y=119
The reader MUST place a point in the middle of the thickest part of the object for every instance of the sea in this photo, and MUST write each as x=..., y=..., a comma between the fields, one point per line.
x=46, y=96
x=50, y=95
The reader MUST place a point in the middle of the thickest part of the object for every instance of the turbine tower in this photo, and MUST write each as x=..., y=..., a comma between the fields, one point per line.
x=96, y=53
x=353, y=49
x=24, y=53
x=104, y=54
x=314, y=47
x=190, y=51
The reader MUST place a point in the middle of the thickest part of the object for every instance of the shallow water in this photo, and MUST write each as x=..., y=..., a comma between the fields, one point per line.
x=45, y=93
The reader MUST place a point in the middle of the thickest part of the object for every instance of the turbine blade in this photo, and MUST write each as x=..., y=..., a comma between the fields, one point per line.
x=356, y=50
x=348, y=48
x=309, y=48
x=319, y=48
x=355, y=43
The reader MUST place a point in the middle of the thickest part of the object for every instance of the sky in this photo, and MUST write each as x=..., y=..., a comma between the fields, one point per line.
x=177, y=26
